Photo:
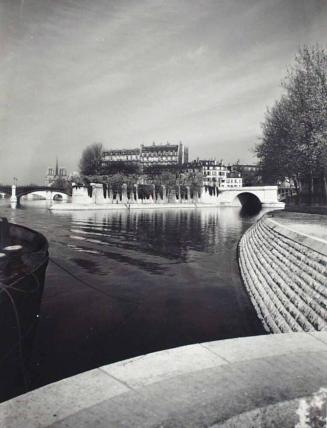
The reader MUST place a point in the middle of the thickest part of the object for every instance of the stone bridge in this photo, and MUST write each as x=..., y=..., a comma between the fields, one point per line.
x=265, y=196
x=16, y=192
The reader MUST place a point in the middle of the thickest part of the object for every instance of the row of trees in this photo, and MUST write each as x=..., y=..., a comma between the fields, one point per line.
x=168, y=179
x=294, y=142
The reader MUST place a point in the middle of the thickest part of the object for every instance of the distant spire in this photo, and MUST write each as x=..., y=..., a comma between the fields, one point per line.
x=57, y=166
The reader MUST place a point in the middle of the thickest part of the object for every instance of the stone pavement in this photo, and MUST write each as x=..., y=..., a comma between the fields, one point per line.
x=312, y=225
x=245, y=382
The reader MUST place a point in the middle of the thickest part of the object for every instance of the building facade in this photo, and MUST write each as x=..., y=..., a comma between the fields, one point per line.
x=163, y=154
x=246, y=168
x=231, y=180
x=155, y=154
x=249, y=172
x=216, y=174
x=121, y=155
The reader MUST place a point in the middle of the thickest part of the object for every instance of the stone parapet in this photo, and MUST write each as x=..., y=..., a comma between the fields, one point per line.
x=285, y=274
x=257, y=381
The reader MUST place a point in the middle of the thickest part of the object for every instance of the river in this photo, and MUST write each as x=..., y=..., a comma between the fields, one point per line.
x=120, y=284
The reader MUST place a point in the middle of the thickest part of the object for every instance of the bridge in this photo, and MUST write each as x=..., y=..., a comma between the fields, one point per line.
x=265, y=196
x=16, y=192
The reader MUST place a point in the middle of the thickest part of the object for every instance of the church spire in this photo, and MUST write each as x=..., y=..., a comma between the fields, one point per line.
x=57, y=167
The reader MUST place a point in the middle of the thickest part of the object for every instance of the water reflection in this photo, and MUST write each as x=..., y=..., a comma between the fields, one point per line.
x=167, y=233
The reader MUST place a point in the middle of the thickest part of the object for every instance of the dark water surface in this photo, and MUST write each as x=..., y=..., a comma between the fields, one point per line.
x=121, y=284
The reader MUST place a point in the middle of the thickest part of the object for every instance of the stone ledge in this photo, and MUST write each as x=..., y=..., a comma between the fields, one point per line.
x=310, y=241
x=196, y=385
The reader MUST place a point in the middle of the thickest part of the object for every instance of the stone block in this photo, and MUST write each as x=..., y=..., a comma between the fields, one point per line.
x=234, y=350
x=155, y=367
x=44, y=406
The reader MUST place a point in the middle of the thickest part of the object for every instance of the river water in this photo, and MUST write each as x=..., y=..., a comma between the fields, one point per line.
x=120, y=284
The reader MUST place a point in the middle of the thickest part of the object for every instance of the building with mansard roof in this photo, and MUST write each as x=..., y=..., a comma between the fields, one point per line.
x=154, y=154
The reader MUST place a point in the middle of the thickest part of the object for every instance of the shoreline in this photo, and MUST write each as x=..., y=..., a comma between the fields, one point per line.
x=127, y=206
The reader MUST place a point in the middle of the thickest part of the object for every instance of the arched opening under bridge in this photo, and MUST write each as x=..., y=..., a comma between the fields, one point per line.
x=58, y=197
x=42, y=194
x=250, y=203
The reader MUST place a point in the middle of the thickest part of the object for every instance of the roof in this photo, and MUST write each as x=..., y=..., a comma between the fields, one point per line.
x=160, y=148
x=121, y=151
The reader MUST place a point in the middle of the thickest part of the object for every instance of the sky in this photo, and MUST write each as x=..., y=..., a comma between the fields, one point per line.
x=74, y=72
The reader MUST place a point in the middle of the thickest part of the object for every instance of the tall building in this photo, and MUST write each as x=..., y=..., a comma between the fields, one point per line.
x=185, y=155
x=155, y=154
x=121, y=155
x=54, y=173
x=217, y=174
x=162, y=154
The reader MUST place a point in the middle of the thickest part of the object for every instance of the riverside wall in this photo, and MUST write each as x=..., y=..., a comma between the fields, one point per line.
x=285, y=271
x=262, y=381
x=100, y=196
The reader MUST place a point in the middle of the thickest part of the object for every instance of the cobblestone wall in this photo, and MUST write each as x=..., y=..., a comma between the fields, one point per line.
x=286, y=280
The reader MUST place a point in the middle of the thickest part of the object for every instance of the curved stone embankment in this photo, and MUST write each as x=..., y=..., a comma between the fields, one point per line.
x=284, y=268
x=262, y=381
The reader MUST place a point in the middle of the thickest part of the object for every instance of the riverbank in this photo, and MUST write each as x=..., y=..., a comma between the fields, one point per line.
x=309, y=209
x=247, y=382
x=96, y=197
x=151, y=206
x=283, y=262
x=120, y=206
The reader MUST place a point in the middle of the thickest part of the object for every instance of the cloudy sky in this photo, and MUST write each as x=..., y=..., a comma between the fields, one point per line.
x=129, y=72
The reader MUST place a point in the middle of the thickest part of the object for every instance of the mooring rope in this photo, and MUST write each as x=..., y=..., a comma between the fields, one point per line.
x=6, y=288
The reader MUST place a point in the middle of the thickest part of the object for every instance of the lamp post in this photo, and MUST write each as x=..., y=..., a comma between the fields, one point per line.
x=13, y=191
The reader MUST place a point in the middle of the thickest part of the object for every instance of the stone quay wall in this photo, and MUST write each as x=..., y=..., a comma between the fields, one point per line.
x=97, y=196
x=285, y=274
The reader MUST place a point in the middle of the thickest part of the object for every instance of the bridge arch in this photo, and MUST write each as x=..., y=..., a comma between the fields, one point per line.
x=45, y=194
x=250, y=202
x=251, y=196
x=16, y=192
x=59, y=196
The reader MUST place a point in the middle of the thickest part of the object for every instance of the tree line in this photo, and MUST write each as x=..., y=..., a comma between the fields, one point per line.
x=294, y=138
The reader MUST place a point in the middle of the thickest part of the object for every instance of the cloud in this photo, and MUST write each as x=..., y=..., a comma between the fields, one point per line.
x=77, y=71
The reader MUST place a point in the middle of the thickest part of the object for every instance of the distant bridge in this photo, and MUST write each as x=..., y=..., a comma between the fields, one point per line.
x=16, y=192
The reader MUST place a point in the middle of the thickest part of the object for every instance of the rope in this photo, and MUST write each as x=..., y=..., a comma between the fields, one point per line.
x=6, y=288
x=20, y=337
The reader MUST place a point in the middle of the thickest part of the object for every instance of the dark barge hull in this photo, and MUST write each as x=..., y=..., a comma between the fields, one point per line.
x=20, y=301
